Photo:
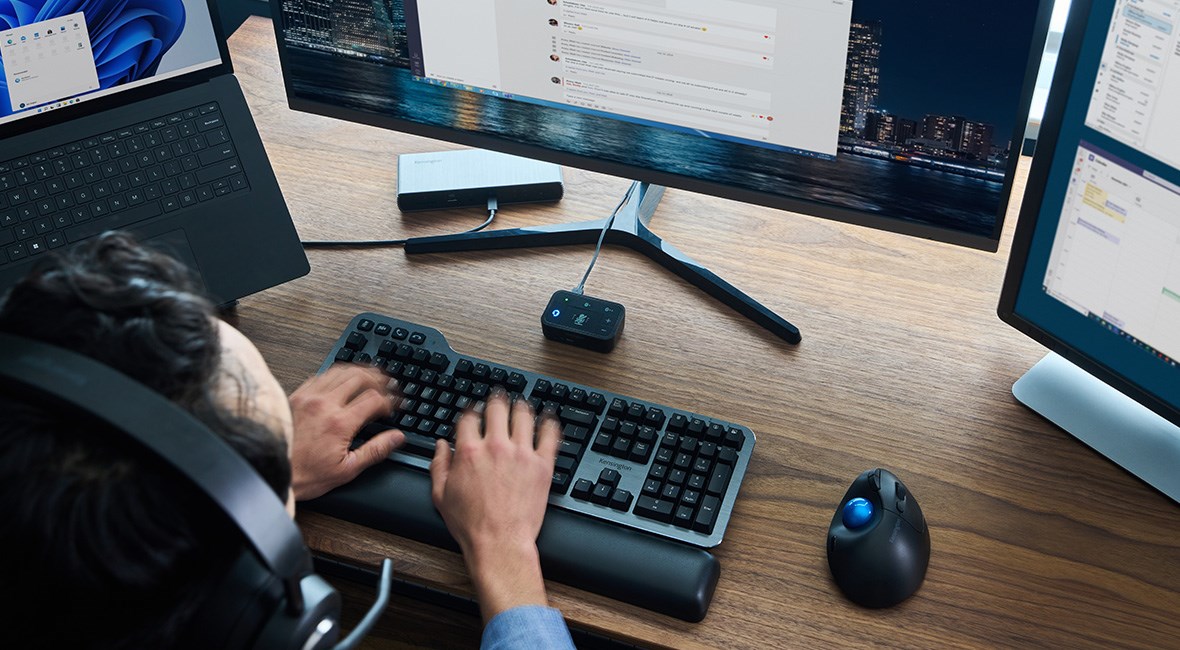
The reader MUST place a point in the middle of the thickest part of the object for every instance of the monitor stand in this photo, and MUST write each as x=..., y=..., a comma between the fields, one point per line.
x=1116, y=426
x=629, y=229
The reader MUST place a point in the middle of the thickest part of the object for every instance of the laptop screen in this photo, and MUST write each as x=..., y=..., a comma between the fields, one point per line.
x=57, y=53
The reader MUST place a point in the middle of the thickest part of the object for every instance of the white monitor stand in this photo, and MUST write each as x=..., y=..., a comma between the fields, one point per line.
x=1116, y=426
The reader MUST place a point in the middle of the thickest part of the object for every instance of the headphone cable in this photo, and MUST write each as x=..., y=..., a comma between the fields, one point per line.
x=366, y=625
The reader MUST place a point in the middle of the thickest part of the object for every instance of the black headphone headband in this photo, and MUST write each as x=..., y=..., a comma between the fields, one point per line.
x=210, y=463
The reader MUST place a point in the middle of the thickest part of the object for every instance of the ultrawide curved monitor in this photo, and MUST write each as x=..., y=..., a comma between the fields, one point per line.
x=905, y=115
x=1095, y=268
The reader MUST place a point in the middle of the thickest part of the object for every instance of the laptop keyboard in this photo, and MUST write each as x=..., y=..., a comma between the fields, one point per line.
x=65, y=194
x=627, y=461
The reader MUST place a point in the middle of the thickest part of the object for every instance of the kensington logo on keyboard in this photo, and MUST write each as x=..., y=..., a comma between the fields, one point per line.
x=618, y=466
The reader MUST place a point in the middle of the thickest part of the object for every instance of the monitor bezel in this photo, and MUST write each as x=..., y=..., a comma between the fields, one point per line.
x=989, y=243
x=32, y=123
x=1034, y=196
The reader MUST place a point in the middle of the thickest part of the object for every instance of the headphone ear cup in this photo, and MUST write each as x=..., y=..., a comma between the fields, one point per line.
x=244, y=599
x=317, y=628
x=248, y=609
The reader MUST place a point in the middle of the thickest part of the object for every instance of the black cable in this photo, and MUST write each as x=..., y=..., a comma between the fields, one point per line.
x=366, y=243
x=580, y=289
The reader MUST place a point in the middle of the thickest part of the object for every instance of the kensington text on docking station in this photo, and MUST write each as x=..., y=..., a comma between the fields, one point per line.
x=469, y=177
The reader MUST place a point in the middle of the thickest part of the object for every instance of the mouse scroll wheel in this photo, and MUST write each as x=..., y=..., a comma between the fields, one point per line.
x=901, y=492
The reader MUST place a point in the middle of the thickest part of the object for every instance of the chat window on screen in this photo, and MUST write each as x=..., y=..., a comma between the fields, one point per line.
x=762, y=72
x=48, y=61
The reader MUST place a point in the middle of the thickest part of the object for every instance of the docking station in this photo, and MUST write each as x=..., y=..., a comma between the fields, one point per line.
x=469, y=177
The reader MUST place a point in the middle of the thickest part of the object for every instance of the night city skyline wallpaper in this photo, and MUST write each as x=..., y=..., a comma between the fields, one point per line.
x=932, y=98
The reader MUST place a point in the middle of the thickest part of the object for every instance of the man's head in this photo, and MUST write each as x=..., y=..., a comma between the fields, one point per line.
x=103, y=546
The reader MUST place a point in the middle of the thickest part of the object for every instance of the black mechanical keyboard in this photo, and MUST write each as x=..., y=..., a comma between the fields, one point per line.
x=629, y=462
x=112, y=180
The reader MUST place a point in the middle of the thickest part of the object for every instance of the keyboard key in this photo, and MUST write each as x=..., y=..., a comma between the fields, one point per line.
x=16, y=252
x=570, y=448
x=610, y=477
x=566, y=464
x=560, y=483
x=578, y=416
x=620, y=500
x=209, y=122
x=577, y=434
x=719, y=480
x=601, y=494
x=707, y=515
x=220, y=170
x=658, y=509
x=216, y=154
x=582, y=489
x=734, y=438
x=620, y=448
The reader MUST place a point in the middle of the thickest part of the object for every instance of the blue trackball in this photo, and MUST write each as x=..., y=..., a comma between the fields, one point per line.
x=857, y=513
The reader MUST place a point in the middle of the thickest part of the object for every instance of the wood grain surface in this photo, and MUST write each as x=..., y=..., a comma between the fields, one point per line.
x=1036, y=540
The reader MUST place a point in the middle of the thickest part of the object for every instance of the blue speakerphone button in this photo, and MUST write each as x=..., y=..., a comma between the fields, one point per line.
x=857, y=513
x=556, y=313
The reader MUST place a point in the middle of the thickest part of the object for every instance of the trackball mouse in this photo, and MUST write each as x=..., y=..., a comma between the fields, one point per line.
x=878, y=543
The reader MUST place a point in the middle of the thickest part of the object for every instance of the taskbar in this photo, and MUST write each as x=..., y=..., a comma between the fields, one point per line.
x=1115, y=329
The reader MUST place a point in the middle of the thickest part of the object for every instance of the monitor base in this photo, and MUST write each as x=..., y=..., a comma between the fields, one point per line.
x=1114, y=425
x=629, y=229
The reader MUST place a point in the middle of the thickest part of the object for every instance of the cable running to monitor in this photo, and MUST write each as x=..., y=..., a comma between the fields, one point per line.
x=580, y=289
x=492, y=207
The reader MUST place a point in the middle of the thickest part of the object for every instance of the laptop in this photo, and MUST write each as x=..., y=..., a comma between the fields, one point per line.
x=127, y=116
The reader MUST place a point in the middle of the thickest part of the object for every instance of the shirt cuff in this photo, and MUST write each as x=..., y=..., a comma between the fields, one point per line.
x=527, y=626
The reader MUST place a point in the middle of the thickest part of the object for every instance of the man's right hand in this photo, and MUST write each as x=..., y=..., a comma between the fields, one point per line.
x=492, y=492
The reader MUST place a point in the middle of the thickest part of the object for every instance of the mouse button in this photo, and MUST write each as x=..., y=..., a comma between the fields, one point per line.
x=912, y=514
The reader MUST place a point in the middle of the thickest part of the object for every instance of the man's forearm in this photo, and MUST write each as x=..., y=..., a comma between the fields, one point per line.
x=505, y=576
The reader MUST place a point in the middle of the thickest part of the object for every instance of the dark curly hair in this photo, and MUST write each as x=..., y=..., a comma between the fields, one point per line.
x=104, y=546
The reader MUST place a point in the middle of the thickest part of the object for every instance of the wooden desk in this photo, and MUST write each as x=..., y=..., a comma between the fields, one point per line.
x=1037, y=541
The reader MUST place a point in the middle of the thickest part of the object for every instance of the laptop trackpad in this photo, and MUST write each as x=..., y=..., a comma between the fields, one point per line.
x=175, y=243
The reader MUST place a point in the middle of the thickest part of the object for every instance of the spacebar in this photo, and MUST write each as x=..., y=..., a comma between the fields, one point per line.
x=114, y=221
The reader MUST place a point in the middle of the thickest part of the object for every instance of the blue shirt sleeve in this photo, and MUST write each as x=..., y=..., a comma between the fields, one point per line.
x=527, y=626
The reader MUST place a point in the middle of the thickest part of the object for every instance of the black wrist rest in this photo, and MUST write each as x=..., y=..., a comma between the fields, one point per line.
x=627, y=565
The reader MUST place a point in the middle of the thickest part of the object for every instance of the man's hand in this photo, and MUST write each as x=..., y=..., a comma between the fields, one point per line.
x=328, y=411
x=492, y=492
